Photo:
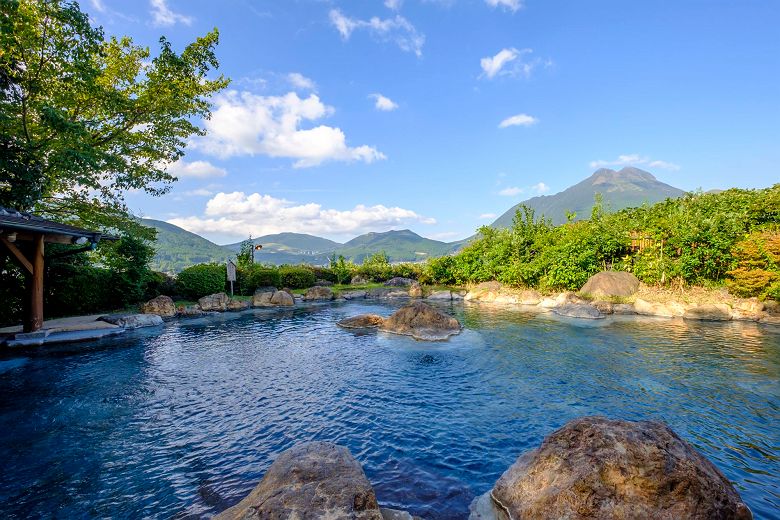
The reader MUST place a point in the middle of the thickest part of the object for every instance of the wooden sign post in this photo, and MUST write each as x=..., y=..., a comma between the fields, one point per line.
x=231, y=274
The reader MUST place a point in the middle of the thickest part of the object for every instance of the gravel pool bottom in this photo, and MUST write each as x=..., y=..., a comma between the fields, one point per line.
x=182, y=422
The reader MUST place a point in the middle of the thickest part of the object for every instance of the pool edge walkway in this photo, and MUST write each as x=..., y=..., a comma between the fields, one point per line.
x=60, y=330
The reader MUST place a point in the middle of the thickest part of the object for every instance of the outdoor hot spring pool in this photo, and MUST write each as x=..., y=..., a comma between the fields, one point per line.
x=182, y=422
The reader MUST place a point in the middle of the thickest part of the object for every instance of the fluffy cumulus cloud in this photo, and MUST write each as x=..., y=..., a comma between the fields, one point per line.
x=397, y=29
x=301, y=82
x=487, y=216
x=635, y=160
x=195, y=169
x=512, y=62
x=164, y=16
x=243, y=123
x=237, y=214
x=383, y=103
x=518, y=120
x=511, y=5
x=540, y=188
x=395, y=5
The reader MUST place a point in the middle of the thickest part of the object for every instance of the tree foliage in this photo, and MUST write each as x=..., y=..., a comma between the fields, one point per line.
x=84, y=119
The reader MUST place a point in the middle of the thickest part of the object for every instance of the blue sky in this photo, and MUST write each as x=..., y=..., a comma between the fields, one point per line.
x=436, y=115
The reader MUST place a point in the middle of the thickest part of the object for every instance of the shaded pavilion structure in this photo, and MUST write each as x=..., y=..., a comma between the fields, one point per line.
x=23, y=236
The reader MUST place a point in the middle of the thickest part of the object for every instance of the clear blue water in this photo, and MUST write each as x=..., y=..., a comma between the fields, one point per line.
x=182, y=422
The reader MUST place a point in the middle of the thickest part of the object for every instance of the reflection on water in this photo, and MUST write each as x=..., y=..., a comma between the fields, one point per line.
x=183, y=423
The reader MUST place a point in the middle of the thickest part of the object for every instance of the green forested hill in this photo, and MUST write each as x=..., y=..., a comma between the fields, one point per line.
x=177, y=248
x=291, y=243
x=404, y=245
x=629, y=187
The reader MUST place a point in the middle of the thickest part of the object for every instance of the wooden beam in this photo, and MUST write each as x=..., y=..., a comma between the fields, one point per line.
x=35, y=319
x=17, y=254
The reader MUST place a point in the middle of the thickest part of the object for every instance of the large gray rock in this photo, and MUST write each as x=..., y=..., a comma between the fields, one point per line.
x=484, y=292
x=595, y=468
x=440, y=295
x=399, y=281
x=579, y=310
x=133, y=321
x=607, y=284
x=238, y=305
x=421, y=321
x=363, y=321
x=709, y=312
x=319, y=294
x=378, y=292
x=353, y=295
x=214, y=302
x=161, y=306
x=415, y=290
x=282, y=299
x=313, y=480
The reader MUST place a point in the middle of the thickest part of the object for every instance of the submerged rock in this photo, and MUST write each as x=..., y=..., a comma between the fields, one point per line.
x=363, y=321
x=709, y=312
x=611, y=284
x=594, y=467
x=161, y=306
x=133, y=321
x=319, y=294
x=310, y=480
x=214, y=302
x=579, y=310
x=421, y=321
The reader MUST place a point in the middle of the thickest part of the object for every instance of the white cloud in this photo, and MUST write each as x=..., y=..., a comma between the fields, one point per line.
x=98, y=5
x=195, y=169
x=540, y=188
x=243, y=123
x=487, y=216
x=511, y=5
x=300, y=81
x=163, y=16
x=397, y=30
x=511, y=191
x=635, y=160
x=518, y=120
x=395, y=5
x=492, y=66
x=238, y=214
x=383, y=103
x=512, y=62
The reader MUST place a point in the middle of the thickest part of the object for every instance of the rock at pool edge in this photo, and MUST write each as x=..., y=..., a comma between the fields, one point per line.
x=421, y=321
x=595, y=467
x=310, y=480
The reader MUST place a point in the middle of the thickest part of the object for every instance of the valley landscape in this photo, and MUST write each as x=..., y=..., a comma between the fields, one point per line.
x=389, y=260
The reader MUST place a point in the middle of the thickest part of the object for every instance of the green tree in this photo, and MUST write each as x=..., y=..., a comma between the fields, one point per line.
x=341, y=268
x=245, y=254
x=83, y=118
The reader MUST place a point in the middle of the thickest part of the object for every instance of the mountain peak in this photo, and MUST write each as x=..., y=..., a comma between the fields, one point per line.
x=624, y=175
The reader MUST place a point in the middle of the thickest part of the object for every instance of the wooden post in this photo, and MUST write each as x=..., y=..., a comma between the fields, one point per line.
x=35, y=318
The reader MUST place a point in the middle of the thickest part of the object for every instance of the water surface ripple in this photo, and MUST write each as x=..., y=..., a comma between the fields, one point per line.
x=183, y=422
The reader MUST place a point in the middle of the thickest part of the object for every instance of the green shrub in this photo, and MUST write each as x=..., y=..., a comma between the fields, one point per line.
x=296, y=277
x=407, y=270
x=324, y=273
x=160, y=283
x=376, y=268
x=259, y=276
x=201, y=280
x=758, y=265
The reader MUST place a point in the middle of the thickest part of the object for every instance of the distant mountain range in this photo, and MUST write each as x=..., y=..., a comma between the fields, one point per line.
x=629, y=187
x=178, y=248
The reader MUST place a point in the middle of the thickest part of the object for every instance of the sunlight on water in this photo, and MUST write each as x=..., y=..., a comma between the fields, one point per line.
x=183, y=423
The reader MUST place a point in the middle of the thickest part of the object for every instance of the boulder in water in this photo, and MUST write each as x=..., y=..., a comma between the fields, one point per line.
x=133, y=321
x=282, y=299
x=578, y=310
x=310, y=480
x=363, y=321
x=421, y=321
x=594, y=467
x=709, y=312
x=608, y=284
x=162, y=306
